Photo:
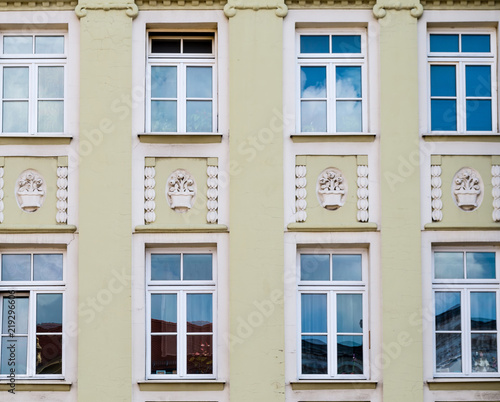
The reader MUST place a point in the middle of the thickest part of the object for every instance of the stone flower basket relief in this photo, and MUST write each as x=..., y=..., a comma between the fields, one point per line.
x=332, y=189
x=467, y=189
x=181, y=189
x=30, y=191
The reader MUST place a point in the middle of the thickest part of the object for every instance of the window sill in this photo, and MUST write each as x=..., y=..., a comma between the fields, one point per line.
x=329, y=137
x=304, y=227
x=36, y=385
x=464, y=384
x=437, y=137
x=208, y=228
x=309, y=385
x=440, y=226
x=180, y=138
x=35, y=139
x=181, y=385
x=37, y=229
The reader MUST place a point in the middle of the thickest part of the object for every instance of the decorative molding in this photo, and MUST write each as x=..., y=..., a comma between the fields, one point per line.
x=468, y=189
x=232, y=6
x=131, y=9
x=30, y=190
x=331, y=189
x=329, y=4
x=212, y=194
x=1, y=194
x=300, y=193
x=363, y=193
x=39, y=4
x=495, y=191
x=149, y=194
x=460, y=4
x=380, y=10
x=181, y=190
x=62, y=194
x=436, y=193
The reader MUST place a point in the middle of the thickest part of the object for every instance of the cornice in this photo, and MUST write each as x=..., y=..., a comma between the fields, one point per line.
x=26, y=5
x=182, y=4
x=131, y=9
x=461, y=4
x=361, y=4
x=232, y=6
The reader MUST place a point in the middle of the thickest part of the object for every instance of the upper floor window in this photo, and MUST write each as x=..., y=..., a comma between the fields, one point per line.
x=182, y=84
x=331, y=87
x=33, y=83
x=462, y=71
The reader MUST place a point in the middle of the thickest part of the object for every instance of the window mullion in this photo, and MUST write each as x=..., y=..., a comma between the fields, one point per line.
x=182, y=98
x=182, y=333
x=331, y=97
x=466, y=331
x=332, y=334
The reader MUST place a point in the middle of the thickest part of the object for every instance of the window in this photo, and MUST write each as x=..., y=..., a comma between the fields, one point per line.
x=31, y=314
x=331, y=85
x=462, y=70
x=33, y=90
x=333, y=310
x=182, y=83
x=466, y=297
x=181, y=298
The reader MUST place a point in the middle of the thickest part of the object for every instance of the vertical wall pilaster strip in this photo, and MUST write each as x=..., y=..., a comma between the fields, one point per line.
x=2, y=164
x=363, y=192
x=495, y=192
x=149, y=191
x=212, y=190
x=300, y=193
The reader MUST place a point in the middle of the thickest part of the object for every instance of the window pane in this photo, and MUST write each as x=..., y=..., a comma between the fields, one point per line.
x=313, y=82
x=313, y=116
x=20, y=312
x=51, y=82
x=314, y=267
x=50, y=116
x=15, y=82
x=164, y=354
x=449, y=265
x=166, y=267
x=478, y=81
x=49, y=309
x=476, y=43
x=349, y=354
x=346, y=44
x=48, y=267
x=448, y=311
x=49, y=44
x=166, y=46
x=349, y=116
x=49, y=354
x=199, y=82
x=314, y=354
x=197, y=46
x=314, y=44
x=443, y=81
x=346, y=267
x=15, y=117
x=349, y=313
x=448, y=353
x=18, y=349
x=444, y=43
x=163, y=82
x=18, y=45
x=484, y=353
x=16, y=267
x=483, y=311
x=480, y=265
x=314, y=313
x=478, y=115
x=199, y=116
x=199, y=312
x=197, y=267
x=164, y=313
x=199, y=354
x=163, y=116
x=348, y=82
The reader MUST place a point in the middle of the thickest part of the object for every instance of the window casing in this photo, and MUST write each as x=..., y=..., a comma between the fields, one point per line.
x=466, y=312
x=181, y=325
x=462, y=69
x=332, y=315
x=331, y=81
x=32, y=304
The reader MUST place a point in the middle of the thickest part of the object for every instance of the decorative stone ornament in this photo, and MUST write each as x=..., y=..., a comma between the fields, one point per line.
x=300, y=193
x=181, y=190
x=212, y=194
x=436, y=193
x=362, y=204
x=62, y=194
x=30, y=190
x=149, y=194
x=468, y=189
x=331, y=189
x=495, y=191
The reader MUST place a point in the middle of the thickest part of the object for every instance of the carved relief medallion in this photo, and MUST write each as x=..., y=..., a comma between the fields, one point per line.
x=30, y=190
x=331, y=189
x=181, y=190
x=467, y=189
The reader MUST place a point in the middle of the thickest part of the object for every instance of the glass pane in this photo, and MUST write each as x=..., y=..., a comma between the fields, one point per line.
x=197, y=46
x=348, y=81
x=314, y=313
x=314, y=355
x=349, y=116
x=313, y=116
x=199, y=312
x=15, y=117
x=199, y=354
x=49, y=310
x=443, y=81
x=313, y=82
x=18, y=45
x=163, y=116
x=483, y=311
x=197, y=267
x=15, y=82
x=166, y=46
x=164, y=354
x=449, y=265
x=314, y=267
x=314, y=44
x=163, y=82
x=478, y=115
x=49, y=44
x=51, y=82
x=484, y=353
x=448, y=353
x=346, y=44
x=349, y=313
x=448, y=311
x=199, y=82
x=349, y=354
x=478, y=81
x=164, y=313
x=48, y=267
x=346, y=267
x=50, y=116
x=18, y=316
x=476, y=43
x=14, y=350
x=480, y=265
x=199, y=116
x=16, y=267
x=165, y=267
x=444, y=43
x=49, y=354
